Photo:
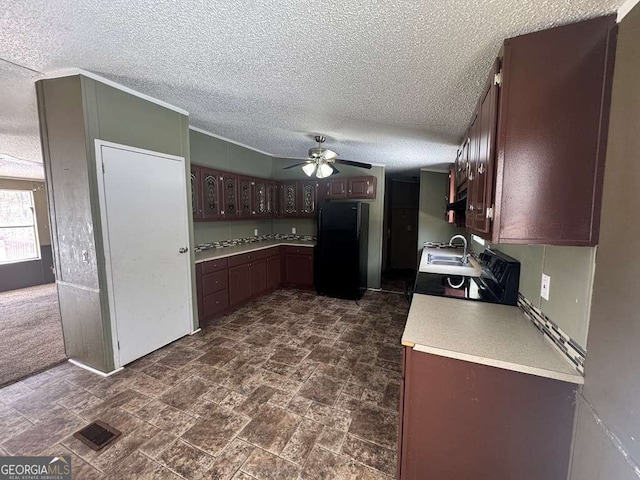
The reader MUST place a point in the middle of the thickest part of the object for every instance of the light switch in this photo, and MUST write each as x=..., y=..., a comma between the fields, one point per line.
x=293, y=230
x=255, y=232
x=545, y=286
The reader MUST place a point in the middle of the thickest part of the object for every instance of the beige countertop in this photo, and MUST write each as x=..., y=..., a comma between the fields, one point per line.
x=485, y=333
x=214, y=253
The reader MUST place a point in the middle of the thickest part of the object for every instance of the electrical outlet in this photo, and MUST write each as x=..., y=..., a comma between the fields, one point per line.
x=293, y=230
x=255, y=232
x=545, y=286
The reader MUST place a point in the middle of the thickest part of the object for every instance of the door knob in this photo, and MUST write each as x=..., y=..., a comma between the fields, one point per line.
x=184, y=250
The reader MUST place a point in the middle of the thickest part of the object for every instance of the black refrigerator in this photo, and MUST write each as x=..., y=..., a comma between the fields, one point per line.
x=340, y=258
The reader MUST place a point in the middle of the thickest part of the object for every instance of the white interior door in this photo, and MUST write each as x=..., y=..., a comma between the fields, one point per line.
x=145, y=226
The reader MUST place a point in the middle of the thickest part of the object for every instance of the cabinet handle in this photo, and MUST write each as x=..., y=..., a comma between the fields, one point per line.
x=471, y=207
x=481, y=168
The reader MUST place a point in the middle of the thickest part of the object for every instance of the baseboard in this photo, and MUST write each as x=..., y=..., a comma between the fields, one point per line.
x=93, y=370
x=195, y=331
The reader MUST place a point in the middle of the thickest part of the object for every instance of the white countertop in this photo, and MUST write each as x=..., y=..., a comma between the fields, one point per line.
x=223, y=252
x=485, y=333
x=473, y=270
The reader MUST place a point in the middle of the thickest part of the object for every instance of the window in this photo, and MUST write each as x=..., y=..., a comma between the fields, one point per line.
x=18, y=236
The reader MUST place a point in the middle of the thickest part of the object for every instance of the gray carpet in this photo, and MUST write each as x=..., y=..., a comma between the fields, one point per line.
x=30, y=331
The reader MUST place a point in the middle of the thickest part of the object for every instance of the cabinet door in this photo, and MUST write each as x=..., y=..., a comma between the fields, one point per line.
x=260, y=198
x=239, y=284
x=487, y=125
x=210, y=197
x=289, y=201
x=229, y=195
x=272, y=199
x=337, y=188
x=258, y=274
x=245, y=194
x=308, y=201
x=473, y=166
x=196, y=206
x=215, y=303
x=361, y=187
x=273, y=271
x=299, y=270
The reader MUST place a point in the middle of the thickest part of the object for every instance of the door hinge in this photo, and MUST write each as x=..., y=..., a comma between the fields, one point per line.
x=102, y=167
x=118, y=344
x=490, y=212
x=497, y=78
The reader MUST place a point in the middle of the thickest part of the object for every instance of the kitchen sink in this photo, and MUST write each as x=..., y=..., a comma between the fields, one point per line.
x=446, y=260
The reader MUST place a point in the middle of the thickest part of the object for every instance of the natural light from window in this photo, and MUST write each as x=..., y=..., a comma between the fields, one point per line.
x=18, y=236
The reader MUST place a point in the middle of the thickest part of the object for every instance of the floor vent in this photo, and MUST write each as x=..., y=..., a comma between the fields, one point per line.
x=97, y=435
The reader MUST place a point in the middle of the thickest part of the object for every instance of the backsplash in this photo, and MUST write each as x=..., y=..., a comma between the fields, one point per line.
x=241, y=241
x=567, y=346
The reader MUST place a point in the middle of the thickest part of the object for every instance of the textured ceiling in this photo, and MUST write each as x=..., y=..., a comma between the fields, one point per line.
x=19, y=131
x=390, y=82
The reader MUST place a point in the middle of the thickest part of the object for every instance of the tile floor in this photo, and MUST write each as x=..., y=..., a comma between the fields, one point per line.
x=290, y=386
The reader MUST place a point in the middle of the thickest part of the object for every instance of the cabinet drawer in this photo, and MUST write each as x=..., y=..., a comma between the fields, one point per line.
x=246, y=257
x=216, y=302
x=214, y=282
x=298, y=250
x=214, y=265
x=271, y=252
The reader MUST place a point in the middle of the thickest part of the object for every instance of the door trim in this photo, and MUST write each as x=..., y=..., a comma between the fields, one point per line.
x=99, y=144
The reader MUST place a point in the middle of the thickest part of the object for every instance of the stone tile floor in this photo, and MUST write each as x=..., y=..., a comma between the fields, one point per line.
x=290, y=386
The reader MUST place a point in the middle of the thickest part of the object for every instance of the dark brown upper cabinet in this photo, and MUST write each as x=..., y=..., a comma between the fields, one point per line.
x=337, y=188
x=245, y=197
x=481, y=151
x=230, y=206
x=308, y=198
x=361, y=187
x=196, y=195
x=541, y=182
x=218, y=195
x=211, y=197
x=289, y=199
x=272, y=199
x=260, y=203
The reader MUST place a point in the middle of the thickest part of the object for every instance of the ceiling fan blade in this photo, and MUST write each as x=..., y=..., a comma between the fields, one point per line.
x=353, y=164
x=296, y=165
x=329, y=155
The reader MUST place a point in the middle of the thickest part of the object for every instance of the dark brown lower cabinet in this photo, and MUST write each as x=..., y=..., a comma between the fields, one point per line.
x=274, y=276
x=298, y=267
x=462, y=420
x=231, y=281
x=258, y=275
x=239, y=284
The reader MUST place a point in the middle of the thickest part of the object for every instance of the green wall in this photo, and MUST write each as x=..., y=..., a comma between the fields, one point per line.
x=74, y=111
x=216, y=153
x=376, y=210
x=432, y=225
x=571, y=270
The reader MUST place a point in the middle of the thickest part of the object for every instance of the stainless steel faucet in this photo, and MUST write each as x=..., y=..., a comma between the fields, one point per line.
x=465, y=255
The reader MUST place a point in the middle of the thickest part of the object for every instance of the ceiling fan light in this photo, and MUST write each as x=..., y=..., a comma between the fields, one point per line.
x=309, y=168
x=324, y=170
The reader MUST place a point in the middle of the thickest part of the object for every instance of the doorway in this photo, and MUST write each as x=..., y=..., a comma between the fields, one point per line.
x=401, y=219
x=31, y=337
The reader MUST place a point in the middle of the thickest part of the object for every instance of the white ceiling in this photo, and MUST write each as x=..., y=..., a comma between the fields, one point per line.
x=391, y=82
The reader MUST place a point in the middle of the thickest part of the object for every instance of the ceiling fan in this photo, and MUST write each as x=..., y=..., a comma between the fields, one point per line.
x=321, y=161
